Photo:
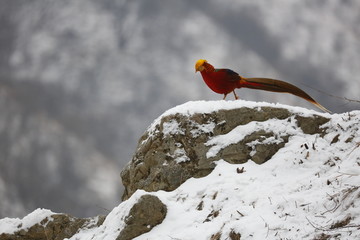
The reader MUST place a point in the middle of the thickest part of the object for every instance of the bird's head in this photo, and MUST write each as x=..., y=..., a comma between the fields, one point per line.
x=199, y=65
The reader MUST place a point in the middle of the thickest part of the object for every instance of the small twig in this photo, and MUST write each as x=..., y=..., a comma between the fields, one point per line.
x=174, y=238
x=240, y=213
x=331, y=95
x=321, y=228
x=357, y=145
x=267, y=226
x=313, y=225
x=304, y=204
x=348, y=174
x=105, y=209
x=336, y=206
x=348, y=226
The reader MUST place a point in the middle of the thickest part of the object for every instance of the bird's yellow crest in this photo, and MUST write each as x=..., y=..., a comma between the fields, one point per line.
x=199, y=65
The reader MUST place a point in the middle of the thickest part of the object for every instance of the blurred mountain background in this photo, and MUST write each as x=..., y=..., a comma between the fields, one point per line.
x=80, y=80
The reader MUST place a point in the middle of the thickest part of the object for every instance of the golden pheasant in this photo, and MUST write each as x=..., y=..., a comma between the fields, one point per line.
x=224, y=81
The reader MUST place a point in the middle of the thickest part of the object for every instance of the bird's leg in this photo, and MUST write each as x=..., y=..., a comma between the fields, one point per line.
x=236, y=96
x=225, y=96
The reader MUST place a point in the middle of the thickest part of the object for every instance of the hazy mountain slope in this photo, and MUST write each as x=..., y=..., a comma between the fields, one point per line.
x=49, y=161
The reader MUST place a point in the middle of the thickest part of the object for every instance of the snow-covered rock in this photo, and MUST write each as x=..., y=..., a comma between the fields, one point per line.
x=185, y=141
x=306, y=187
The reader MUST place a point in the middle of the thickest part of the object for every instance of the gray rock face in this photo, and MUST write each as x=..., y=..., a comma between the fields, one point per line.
x=175, y=148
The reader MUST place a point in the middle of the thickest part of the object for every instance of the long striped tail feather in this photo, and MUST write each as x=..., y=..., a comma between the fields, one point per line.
x=273, y=85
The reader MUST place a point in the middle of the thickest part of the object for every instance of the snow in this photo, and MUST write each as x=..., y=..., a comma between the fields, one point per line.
x=171, y=127
x=202, y=128
x=279, y=127
x=180, y=155
x=309, y=187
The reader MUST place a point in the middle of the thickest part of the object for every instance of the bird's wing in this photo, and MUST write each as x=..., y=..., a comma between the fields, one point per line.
x=230, y=74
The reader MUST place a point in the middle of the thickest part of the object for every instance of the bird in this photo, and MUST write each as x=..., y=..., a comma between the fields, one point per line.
x=225, y=81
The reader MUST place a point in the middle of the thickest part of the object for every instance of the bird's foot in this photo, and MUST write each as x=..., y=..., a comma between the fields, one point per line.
x=236, y=96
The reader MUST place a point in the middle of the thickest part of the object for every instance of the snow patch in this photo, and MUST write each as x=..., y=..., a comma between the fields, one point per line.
x=171, y=128
x=202, y=128
x=12, y=225
x=278, y=127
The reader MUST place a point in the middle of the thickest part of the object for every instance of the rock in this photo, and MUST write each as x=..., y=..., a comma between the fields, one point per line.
x=175, y=148
x=311, y=125
x=57, y=227
x=148, y=212
x=234, y=236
